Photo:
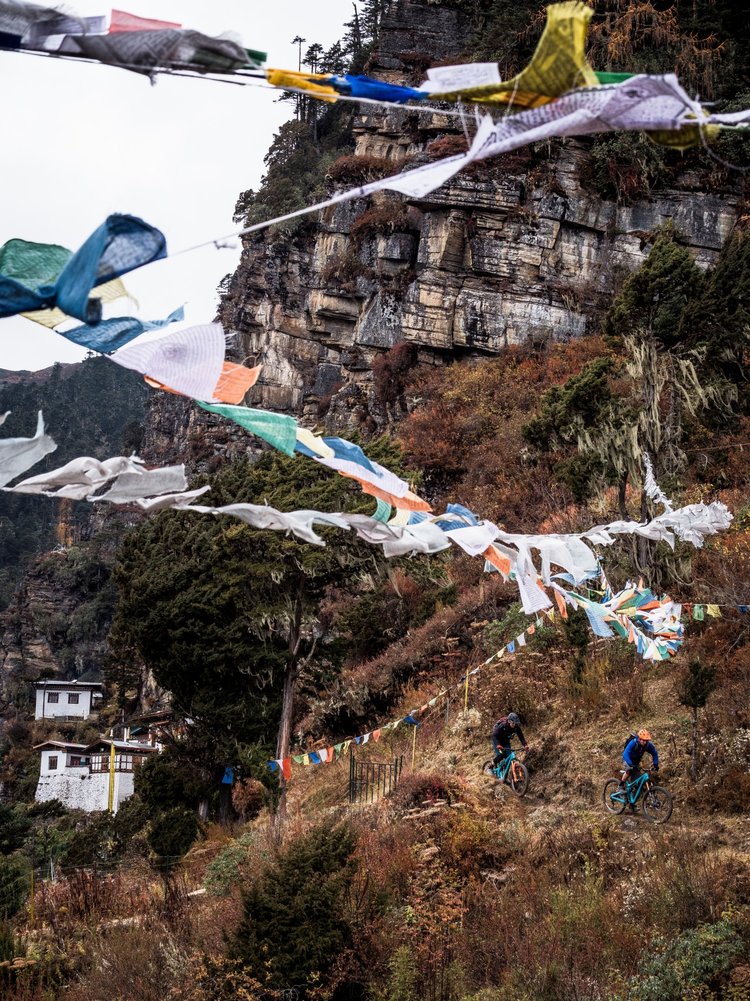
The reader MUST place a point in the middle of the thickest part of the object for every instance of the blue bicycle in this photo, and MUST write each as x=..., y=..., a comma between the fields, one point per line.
x=508, y=771
x=656, y=802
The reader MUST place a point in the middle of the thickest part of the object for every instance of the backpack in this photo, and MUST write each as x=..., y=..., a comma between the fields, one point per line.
x=632, y=736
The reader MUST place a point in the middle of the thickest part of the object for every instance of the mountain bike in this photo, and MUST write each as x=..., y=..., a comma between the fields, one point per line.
x=509, y=771
x=656, y=802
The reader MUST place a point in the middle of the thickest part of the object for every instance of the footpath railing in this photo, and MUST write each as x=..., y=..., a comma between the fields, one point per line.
x=369, y=780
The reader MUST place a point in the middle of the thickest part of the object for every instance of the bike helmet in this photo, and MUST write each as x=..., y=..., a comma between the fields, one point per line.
x=513, y=718
x=642, y=734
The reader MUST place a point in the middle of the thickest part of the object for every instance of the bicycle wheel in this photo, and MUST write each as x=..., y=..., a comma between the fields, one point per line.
x=611, y=788
x=489, y=769
x=657, y=805
x=518, y=778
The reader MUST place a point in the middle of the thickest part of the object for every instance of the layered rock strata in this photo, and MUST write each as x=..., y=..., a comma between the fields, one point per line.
x=513, y=250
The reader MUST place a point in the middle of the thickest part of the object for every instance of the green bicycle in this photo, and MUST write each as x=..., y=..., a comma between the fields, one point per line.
x=656, y=801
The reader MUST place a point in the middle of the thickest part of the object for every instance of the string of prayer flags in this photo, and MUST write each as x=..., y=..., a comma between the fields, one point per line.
x=43, y=276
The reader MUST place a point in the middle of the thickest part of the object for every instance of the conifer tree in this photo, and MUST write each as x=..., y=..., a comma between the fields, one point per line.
x=294, y=924
x=226, y=617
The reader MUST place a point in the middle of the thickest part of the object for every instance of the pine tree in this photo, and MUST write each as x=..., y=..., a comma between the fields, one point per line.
x=294, y=924
x=227, y=617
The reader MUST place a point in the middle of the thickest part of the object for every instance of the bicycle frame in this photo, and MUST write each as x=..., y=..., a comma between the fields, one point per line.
x=632, y=790
x=502, y=768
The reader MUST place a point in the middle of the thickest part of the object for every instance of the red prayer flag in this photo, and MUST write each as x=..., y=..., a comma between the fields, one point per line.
x=122, y=21
x=286, y=768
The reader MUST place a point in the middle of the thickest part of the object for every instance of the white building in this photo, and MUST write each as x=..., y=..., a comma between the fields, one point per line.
x=79, y=775
x=68, y=700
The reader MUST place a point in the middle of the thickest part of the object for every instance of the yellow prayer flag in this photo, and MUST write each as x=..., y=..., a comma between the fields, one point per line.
x=558, y=65
x=108, y=292
x=314, y=443
x=302, y=81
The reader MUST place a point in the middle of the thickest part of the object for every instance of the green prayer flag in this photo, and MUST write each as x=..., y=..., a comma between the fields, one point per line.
x=33, y=264
x=605, y=78
x=698, y=612
x=277, y=429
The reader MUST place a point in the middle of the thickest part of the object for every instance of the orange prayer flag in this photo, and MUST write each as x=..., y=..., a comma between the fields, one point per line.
x=496, y=558
x=409, y=502
x=234, y=382
x=286, y=768
x=160, y=385
x=561, y=604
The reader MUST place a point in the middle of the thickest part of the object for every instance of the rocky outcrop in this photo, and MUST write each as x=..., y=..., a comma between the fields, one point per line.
x=517, y=249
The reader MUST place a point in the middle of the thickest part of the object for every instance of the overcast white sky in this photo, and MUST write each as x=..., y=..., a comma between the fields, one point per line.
x=83, y=141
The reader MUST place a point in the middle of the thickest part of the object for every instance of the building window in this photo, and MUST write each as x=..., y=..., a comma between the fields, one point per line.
x=73, y=699
x=53, y=696
x=77, y=761
x=52, y=762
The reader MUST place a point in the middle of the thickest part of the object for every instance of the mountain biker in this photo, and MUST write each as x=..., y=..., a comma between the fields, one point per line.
x=636, y=747
x=502, y=735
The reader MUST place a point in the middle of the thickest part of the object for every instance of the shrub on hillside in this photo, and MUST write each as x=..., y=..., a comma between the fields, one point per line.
x=729, y=793
x=171, y=835
x=294, y=922
x=390, y=371
x=15, y=880
x=248, y=798
x=416, y=788
x=359, y=169
x=697, y=962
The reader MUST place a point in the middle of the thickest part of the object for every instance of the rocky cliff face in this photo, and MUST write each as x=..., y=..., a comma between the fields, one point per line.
x=516, y=249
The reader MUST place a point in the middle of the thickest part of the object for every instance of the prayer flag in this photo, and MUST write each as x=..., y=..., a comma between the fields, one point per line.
x=277, y=429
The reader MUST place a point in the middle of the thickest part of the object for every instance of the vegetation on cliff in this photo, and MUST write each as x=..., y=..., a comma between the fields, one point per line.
x=448, y=889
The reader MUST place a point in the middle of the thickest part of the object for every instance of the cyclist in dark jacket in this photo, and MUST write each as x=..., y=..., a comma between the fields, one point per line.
x=504, y=730
x=634, y=751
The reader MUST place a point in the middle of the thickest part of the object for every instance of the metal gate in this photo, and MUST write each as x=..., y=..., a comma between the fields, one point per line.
x=370, y=780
